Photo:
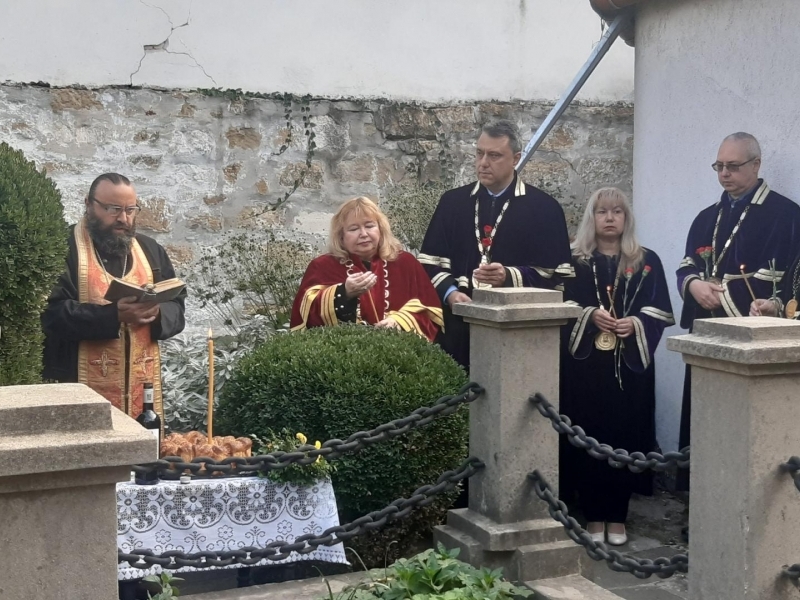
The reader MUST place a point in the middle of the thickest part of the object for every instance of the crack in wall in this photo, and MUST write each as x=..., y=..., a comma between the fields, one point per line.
x=164, y=46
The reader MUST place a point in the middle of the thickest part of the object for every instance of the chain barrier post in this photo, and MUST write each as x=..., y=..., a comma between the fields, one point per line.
x=515, y=334
x=744, y=512
x=63, y=448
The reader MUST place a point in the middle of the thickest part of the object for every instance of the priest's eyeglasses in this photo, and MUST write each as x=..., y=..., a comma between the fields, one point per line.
x=114, y=210
x=732, y=167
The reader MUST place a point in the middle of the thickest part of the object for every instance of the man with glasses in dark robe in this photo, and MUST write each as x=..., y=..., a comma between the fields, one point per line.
x=751, y=233
x=111, y=347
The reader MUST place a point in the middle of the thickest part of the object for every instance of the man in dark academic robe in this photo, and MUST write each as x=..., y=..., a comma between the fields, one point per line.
x=751, y=232
x=496, y=232
x=111, y=347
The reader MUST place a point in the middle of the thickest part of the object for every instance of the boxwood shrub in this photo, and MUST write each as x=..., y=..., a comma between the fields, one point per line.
x=330, y=382
x=33, y=246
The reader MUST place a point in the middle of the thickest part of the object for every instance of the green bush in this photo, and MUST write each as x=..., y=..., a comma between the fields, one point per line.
x=33, y=246
x=331, y=382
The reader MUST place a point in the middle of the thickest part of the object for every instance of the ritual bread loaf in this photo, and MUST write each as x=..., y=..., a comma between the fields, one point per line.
x=195, y=444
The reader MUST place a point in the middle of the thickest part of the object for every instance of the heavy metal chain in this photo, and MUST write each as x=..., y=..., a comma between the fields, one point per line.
x=172, y=467
x=642, y=568
x=619, y=458
x=280, y=550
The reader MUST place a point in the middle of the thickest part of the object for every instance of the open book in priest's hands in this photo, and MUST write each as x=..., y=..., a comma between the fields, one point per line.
x=163, y=291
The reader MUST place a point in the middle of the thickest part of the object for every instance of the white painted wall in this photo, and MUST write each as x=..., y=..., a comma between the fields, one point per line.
x=415, y=49
x=705, y=69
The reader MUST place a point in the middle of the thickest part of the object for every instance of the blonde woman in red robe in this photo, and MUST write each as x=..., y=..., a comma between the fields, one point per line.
x=366, y=277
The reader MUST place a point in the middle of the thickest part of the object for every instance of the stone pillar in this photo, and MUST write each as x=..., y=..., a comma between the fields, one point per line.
x=62, y=450
x=514, y=353
x=744, y=515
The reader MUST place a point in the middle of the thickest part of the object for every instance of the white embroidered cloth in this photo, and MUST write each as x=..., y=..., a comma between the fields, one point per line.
x=223, y=514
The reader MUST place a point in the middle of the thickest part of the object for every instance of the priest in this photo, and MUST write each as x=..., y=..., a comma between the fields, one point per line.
x=111, y=347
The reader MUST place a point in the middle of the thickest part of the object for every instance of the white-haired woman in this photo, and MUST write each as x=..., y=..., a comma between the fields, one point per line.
x=352, y=282
x=607, y=380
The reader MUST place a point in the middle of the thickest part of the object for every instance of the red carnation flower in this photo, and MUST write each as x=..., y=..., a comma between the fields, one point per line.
x=487, y=229
x=486, y=242
x=646, y=270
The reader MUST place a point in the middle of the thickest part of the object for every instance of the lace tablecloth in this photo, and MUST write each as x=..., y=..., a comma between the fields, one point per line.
x=222, y=514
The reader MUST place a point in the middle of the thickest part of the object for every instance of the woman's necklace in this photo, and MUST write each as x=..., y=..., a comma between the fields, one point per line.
x=349, y=265
x=605, y=340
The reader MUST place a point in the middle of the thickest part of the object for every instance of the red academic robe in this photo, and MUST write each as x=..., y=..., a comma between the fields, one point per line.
x=402, y=283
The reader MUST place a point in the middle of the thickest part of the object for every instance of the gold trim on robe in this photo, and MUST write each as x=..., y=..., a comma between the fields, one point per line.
x=117, y=368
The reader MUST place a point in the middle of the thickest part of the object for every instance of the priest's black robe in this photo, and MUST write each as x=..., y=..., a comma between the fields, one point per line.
x=611, y=393
x=769, y=232
x=66, y=321
x=531, y=242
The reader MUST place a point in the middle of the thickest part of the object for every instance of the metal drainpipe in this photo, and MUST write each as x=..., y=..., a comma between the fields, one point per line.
x=600, y=50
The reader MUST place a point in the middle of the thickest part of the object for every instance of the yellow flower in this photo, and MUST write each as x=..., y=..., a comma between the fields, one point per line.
x=303, y=439
x=318, y=445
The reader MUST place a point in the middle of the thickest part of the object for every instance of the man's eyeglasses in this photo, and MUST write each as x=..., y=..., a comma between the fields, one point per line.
x=732, y=167
x=114, y=211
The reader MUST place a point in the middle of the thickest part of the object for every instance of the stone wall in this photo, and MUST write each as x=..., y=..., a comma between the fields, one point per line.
x=205, y=165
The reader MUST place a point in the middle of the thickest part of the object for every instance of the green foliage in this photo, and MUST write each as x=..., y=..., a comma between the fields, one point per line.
x=284, y=441
x=251, y=274
x=184, y=371
x=164, y=584
x=331, y=382
x=409, y=208
x=435, y=575
x=33, y=248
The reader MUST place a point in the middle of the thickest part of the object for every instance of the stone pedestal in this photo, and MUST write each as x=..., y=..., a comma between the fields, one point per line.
x=514, y=353
x=744, y=515
x=62, y=450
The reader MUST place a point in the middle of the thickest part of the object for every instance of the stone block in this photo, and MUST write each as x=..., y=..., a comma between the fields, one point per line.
x=356, y=170
x=457, y=119
x=62, y=450
x=262, y=187
x=570, y=587
x=545, y=561
x=187, y=110
x=505, y=536
x=74, y=99
x=154, y=215
x=147, y=161
x=181, y=255
x=214, y=200
x=470, y=550
x=246, y=138
x=207, y=222
x=231, y=172
x=406, y=121
x=310, y=177
x=517, y=307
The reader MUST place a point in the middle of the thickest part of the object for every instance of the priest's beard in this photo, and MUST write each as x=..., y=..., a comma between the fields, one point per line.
x=108, y=240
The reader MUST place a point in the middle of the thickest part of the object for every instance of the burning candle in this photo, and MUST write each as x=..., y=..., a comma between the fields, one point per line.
x=210, y=386
x=746, y=282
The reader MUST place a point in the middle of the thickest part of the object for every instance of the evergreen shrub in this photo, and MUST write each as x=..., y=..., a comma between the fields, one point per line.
x=33, y=248
x=331, y=382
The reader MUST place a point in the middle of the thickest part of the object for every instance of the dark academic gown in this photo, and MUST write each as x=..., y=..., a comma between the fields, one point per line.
x=611, y=394
x=531, y=242
x=66, y=321
x=321, y=299
x=770, y=231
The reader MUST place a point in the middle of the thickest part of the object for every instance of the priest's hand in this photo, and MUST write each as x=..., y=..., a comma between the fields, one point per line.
x=457, y=298
x=624, y=327
x=706, y=293
x=763, y=308
x=358, y=283
x=494, y=274
x=388, y=323
x=136, y=313
x=603, y=320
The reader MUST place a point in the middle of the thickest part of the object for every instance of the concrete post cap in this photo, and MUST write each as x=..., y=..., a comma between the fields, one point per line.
x=520, y=306
x=749, y=342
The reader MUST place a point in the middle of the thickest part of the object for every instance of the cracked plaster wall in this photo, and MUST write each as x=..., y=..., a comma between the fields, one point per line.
x=470, y=49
